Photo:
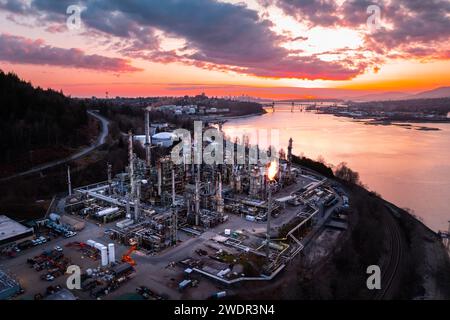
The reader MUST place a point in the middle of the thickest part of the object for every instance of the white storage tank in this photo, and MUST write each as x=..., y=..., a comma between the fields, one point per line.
x=104, y=254
x=91, y=243
x=107, y=211
x=164, y=139
x=55, y=217
x=111, y=253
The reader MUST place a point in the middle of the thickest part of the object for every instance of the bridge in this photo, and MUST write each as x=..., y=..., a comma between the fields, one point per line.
x=301, y=106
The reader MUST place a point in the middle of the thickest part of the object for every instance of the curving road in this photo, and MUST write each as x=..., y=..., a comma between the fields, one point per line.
x=100, y=141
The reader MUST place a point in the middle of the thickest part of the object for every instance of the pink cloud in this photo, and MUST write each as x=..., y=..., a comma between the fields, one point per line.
x=16, y=49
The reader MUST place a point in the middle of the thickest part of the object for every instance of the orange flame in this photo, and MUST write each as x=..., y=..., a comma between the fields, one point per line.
x=273, y=169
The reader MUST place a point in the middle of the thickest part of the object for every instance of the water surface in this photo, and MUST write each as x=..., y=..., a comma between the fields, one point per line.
x=408, y=167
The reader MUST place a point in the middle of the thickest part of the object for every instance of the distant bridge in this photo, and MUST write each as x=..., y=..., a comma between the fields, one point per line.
x=300, y=105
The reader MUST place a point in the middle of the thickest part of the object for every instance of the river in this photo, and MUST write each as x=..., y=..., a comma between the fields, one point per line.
x=408, y=167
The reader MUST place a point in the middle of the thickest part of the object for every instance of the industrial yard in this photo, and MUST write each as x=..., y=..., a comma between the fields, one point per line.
x=190, y=231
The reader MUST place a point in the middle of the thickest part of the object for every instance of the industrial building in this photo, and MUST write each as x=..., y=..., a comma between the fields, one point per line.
x=8, y=286
x=13, y=232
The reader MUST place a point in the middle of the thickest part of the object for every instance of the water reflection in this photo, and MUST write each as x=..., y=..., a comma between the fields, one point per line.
x=409, y=167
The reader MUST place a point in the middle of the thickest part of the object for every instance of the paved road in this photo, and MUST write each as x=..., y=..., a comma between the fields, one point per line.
x=100, y=141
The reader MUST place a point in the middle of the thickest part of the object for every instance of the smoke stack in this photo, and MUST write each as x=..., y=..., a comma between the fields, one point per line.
x=111, y=253
x=109, y=176
x=148, y=142
x=197, y=196
x=69, y=181
x=131, y=162
x=137, y=202
x=219, y=197
x=159, y=177
x=269, y=213
x=127, y=206
x=173, y=187
x=174, y=211
x=289, y=157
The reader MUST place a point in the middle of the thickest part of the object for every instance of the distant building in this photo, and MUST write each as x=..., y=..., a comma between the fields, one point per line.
x=12, y=231
x=159, y=126
x=63, y=294
x=8, y=286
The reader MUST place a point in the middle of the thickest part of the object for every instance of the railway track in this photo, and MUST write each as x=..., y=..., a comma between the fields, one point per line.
x=390, y=269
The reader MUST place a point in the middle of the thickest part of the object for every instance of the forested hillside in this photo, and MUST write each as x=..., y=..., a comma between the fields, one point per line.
x=33, y=118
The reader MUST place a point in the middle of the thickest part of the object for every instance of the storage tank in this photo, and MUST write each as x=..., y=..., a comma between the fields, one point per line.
x=104, y=253
x=54, y=217
x=107, y=211
x=91, y=243
x=221, y=294
x=164, y=139
x=111, y=253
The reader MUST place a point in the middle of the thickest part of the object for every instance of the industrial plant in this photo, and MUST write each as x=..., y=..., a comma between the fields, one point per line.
x=243, y=220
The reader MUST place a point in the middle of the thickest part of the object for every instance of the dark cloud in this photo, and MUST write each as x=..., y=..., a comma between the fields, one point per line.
x=312, y=12
x=21, y=50
x=218, y=35
x=415, y=24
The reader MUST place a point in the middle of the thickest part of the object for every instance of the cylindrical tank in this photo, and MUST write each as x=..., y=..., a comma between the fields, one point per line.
x=91, y=243
x=112, y=253
x=104, y=252
x=54, y=217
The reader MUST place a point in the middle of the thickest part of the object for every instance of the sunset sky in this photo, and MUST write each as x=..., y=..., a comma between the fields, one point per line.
x=265, y=48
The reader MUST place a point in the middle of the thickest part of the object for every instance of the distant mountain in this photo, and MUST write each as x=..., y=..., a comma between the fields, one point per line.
x=442, y=92
x=393, y=95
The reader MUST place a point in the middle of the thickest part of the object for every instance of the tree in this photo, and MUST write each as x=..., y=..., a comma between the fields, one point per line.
x=345, y=173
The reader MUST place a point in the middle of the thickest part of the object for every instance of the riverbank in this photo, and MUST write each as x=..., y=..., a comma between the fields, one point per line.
x=250, y=115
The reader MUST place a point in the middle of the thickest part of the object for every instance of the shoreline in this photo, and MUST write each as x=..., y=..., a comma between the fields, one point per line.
x=226, y=118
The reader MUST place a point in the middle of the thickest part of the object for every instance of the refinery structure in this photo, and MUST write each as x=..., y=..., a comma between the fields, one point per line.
x=218, y=224
x=154, y=200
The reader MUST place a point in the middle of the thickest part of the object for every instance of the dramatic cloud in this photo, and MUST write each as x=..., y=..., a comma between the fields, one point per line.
x=219, y=36
x=414, y=26
x=409, y=28
x=21, y=50
x=312, y=12
x=231, y=37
